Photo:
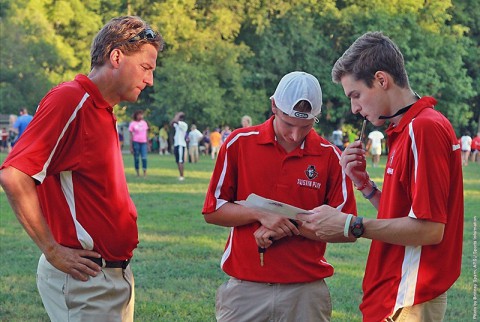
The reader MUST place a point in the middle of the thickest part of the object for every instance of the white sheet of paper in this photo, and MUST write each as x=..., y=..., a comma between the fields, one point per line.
x=283, y=209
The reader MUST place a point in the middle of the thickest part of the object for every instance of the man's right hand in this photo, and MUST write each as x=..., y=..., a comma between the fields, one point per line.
x=71, y=261
x=353, y=162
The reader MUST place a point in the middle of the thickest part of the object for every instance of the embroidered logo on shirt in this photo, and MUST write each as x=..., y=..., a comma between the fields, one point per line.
x=311, y=173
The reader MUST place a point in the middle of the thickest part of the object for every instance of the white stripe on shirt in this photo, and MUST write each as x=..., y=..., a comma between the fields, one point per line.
x=411, y=261
x=344, y=180
x=42, y=174
x=66, y=182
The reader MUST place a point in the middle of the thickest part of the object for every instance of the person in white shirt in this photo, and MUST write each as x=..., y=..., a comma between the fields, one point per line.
x=337, y=139
x=374, y=145
x=179, y=142
x=466, y=143
x=194, y=137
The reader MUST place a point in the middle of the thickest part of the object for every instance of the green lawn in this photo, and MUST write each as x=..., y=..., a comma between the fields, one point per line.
x=176, y=265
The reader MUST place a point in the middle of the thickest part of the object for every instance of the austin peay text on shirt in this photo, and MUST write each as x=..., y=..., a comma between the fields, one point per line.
x=311, y=173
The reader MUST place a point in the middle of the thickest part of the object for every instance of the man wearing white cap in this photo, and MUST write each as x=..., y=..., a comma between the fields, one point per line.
x=277, y=268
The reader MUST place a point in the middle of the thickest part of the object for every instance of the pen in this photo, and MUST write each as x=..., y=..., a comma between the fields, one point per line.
x=261, y=251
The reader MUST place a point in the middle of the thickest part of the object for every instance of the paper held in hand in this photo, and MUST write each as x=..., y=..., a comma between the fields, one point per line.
x=280, y=208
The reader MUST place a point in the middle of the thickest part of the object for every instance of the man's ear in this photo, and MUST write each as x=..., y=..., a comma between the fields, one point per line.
x=274, y=107
x=382, y=78
x=115, y=57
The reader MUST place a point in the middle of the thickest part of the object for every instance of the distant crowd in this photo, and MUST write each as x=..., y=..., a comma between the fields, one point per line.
x=16, y=127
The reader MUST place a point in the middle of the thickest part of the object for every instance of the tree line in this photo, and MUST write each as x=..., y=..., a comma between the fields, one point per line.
x=223, y=58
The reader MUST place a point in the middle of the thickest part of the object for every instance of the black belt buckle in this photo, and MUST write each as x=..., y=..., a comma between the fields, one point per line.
x=125, y=263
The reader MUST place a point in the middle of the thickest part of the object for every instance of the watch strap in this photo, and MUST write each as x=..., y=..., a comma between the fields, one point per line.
x=371, y=194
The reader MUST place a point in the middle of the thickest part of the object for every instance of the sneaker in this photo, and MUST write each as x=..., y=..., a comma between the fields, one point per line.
x=181, y=178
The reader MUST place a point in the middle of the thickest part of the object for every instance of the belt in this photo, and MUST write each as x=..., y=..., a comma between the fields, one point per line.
x=109, y=264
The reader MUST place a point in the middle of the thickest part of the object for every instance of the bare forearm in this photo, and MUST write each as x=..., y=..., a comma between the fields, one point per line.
x=232, y=215
x=337, y=238
x=330, y=225
x=404, y=231
x=22, y=195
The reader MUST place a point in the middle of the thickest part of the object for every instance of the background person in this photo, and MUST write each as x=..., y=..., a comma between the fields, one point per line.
x=337, y=138
x=466, y=145
x=374, y=145
x=225, y=133
x=416, y=250
x=3, y=139
x=65, y=180
x=163, y=140
x=246, y=121
x=286, y=160
x=138, y=129
x=194, y=138
x=215, y=142
x=476, y=148
x=21, y=123
x=179, y=142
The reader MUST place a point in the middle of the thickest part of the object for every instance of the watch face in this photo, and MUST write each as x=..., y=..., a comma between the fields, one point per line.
x=357, y=231
x=357, y=227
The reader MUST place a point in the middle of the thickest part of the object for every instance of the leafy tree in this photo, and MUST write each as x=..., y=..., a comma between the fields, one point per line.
x=467, y=13
x=223, y=58
x=434, y=51
x=40, y=52
x=299, y=38
x=199, y=72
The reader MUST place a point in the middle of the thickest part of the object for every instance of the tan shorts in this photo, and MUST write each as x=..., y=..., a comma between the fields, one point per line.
x=433, y=310
x=239, y=300
x=376, y=150
x=107, y=297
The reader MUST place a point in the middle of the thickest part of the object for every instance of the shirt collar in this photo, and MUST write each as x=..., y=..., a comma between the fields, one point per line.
x=310, y=145
x=92, y=89
x=421, y=104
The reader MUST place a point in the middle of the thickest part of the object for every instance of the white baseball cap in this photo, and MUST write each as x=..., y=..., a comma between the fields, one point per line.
x=295, y=87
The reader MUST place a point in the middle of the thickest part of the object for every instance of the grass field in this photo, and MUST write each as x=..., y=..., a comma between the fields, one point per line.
x=176, y=265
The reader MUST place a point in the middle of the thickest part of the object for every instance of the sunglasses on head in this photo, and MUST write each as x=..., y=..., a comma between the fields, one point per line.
x=147, y=34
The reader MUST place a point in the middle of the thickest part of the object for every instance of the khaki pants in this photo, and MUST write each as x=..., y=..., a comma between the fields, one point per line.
x=107, y=297
x=239, y=300
x=431, y=311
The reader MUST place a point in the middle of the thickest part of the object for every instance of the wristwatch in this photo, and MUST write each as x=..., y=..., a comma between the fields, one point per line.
x=374, y=191
x=357, y=228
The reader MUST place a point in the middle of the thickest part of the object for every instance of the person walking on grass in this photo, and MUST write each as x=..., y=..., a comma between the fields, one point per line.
x=277, y=269
x=65, y=180
x=374, y=146
x=416, y=250
x=194, y=138
x=466, y=145
x=215, y=142
x=179, y=142
x=138, y=129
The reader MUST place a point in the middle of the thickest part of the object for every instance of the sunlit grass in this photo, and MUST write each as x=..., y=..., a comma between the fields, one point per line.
x=177, y=263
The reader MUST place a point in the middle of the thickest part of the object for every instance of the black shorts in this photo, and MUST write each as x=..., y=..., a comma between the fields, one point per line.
x=179, y=152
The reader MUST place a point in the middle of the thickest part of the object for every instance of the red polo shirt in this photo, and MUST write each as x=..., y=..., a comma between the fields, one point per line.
x=423, y=180
x=71, y=149
x=251, y=161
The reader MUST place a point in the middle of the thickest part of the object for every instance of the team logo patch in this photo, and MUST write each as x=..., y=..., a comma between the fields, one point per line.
x=311, y=172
